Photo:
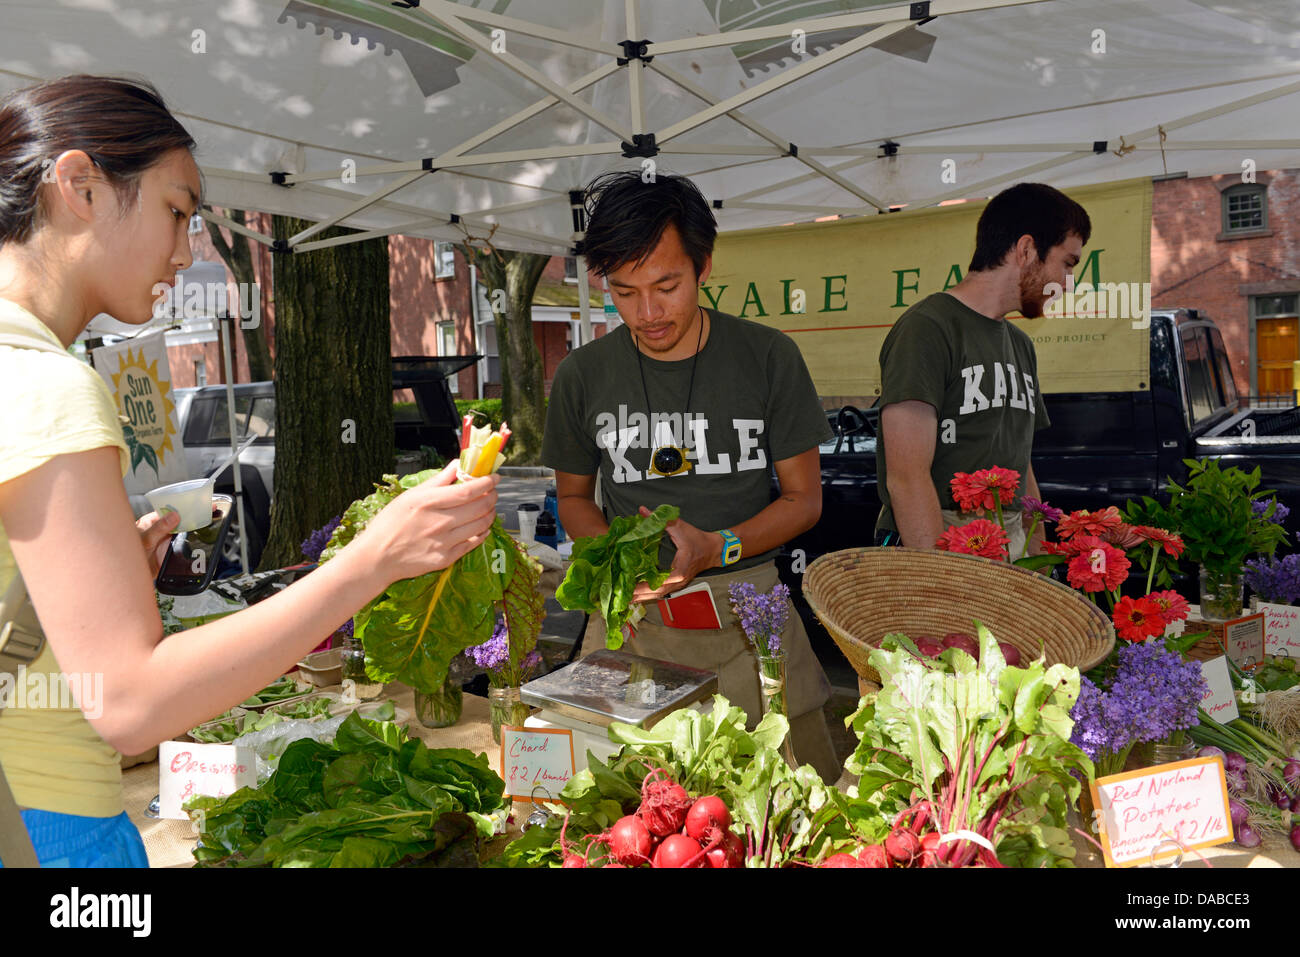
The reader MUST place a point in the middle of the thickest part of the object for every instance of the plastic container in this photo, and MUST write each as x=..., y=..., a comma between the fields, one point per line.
x=192, y=500
x=322, y=668
x=547, y=532
x=528, y=513
x=552, y=505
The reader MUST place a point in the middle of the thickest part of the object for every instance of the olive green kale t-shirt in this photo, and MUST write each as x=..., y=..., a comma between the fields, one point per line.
x=981, y=377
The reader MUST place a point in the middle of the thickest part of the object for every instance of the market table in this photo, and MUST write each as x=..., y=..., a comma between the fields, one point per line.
x=169, y=843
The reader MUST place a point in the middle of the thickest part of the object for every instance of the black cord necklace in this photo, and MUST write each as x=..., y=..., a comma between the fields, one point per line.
x=669, y=460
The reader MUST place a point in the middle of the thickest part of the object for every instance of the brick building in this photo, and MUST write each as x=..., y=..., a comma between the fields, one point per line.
x=434, y=312
x=1232, y=250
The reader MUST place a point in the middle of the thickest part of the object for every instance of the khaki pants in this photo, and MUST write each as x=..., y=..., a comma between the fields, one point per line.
x=727, y=652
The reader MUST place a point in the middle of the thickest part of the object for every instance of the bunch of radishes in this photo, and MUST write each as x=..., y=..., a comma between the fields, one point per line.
x=912, y=842
x=668, y=829
x=932, y=647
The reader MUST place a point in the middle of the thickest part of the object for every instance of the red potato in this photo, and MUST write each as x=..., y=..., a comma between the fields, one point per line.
x=929, y=647
x=1011, y=653
x=965, y=642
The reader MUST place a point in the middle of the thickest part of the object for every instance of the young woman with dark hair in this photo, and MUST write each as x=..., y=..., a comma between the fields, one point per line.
x=97, y=187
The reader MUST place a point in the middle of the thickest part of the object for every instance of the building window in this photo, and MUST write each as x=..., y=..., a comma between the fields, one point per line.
x=200, y=371
x=571, y=269
x=444, y=255
x=1244, y=209
x=1281, y=306
x=447, y=347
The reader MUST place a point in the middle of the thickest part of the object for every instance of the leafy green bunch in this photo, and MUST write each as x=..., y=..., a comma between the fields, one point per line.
x=416, y=626
x=605, y=569
x=986, y=744
x=786, y=814
x=375, y=798
x=1212, y=513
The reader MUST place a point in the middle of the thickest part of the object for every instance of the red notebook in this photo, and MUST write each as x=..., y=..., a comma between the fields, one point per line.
x=691, y=608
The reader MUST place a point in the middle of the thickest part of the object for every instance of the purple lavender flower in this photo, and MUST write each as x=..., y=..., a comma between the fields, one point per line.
x=532, y=661
x=348, y=629
x=1041, y=509
x=493, y=653
x=762, y=617
x=1153, y=694
x=1279, y=513
x=315, y=543
x=1275, y=579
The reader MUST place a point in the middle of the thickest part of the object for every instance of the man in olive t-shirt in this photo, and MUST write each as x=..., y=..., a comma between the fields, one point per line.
x=694, y=408
x=959, y=384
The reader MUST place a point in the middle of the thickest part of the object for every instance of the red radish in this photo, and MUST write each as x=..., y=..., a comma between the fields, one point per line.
x=1011, y=653
x=965, y=642
x=874, y=855
x=929, y=647
x=930, y=842
x=664, y=803
x=902, y=845
x=841, y=860
x=707, y=811
x=570, y=858
x=731, y=852
x=629, y=841
x=929, y=859
x=678, y=850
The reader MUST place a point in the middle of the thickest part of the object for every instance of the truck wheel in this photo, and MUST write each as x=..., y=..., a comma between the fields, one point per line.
x=230, y=550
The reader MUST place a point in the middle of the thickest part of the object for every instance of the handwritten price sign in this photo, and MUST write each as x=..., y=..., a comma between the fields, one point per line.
x=212, y=770
x=1281, y=630
x=1218, y=701
x=536, y=759
x=1163, y=812
x=1244, y=640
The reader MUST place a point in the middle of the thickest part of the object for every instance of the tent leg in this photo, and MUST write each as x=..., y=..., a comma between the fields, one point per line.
x=229, y=330
x=584, y=301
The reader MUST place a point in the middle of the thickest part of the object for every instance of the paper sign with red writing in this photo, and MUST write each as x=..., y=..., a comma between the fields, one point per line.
x=1243, y=638
x=536, y=761
x=1159, y=813
x=1218, y=701
x=1281, y=630
x=214, y=770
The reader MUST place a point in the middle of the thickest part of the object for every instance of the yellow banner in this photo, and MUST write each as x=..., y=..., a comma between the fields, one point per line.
x=838, y=287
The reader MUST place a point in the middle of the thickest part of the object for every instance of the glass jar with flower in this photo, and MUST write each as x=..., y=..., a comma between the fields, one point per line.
x=508, y=665
x=763, y=618
x=1221, y=520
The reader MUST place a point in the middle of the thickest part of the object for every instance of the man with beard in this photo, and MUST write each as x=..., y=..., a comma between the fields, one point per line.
x=959, y=384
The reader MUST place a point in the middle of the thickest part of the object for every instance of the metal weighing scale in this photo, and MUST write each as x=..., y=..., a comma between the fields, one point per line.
x=586, y=696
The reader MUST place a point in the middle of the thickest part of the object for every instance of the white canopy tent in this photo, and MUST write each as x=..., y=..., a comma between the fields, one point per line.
x=492, y=112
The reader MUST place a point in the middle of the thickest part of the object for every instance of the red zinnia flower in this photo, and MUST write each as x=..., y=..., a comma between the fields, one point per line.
x=1171, y=543
x=1122, y=536
x=980, y=537
x=1074, y=546
x=1103, y=567
x=1173, y=606
x=1137, y=619
x=973, y=491
x=1090, y=523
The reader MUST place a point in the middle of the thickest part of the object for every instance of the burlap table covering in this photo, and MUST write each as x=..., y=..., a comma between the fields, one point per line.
x=169, y=843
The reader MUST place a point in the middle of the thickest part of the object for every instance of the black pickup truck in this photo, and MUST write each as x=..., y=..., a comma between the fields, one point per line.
x=1102, y=448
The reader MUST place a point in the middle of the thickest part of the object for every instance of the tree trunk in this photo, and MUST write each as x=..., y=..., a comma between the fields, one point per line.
x=238, y=258
x=523, y=385
x=333, y=384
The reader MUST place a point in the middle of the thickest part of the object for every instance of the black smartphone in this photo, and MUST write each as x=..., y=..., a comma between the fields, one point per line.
x=192, y=557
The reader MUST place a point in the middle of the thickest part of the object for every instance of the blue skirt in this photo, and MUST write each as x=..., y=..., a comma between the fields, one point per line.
x=70, y=840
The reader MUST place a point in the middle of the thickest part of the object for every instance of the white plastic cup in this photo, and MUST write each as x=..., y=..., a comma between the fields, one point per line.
x=528, y=513
x=192, y=500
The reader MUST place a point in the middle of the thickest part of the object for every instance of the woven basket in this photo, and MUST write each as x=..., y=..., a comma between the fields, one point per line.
x=863, y=594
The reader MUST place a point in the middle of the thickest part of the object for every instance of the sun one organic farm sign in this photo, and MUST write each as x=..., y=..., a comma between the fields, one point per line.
x=139, y=377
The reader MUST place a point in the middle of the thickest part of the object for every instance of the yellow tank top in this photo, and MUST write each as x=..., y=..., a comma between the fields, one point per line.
x=52, y=757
